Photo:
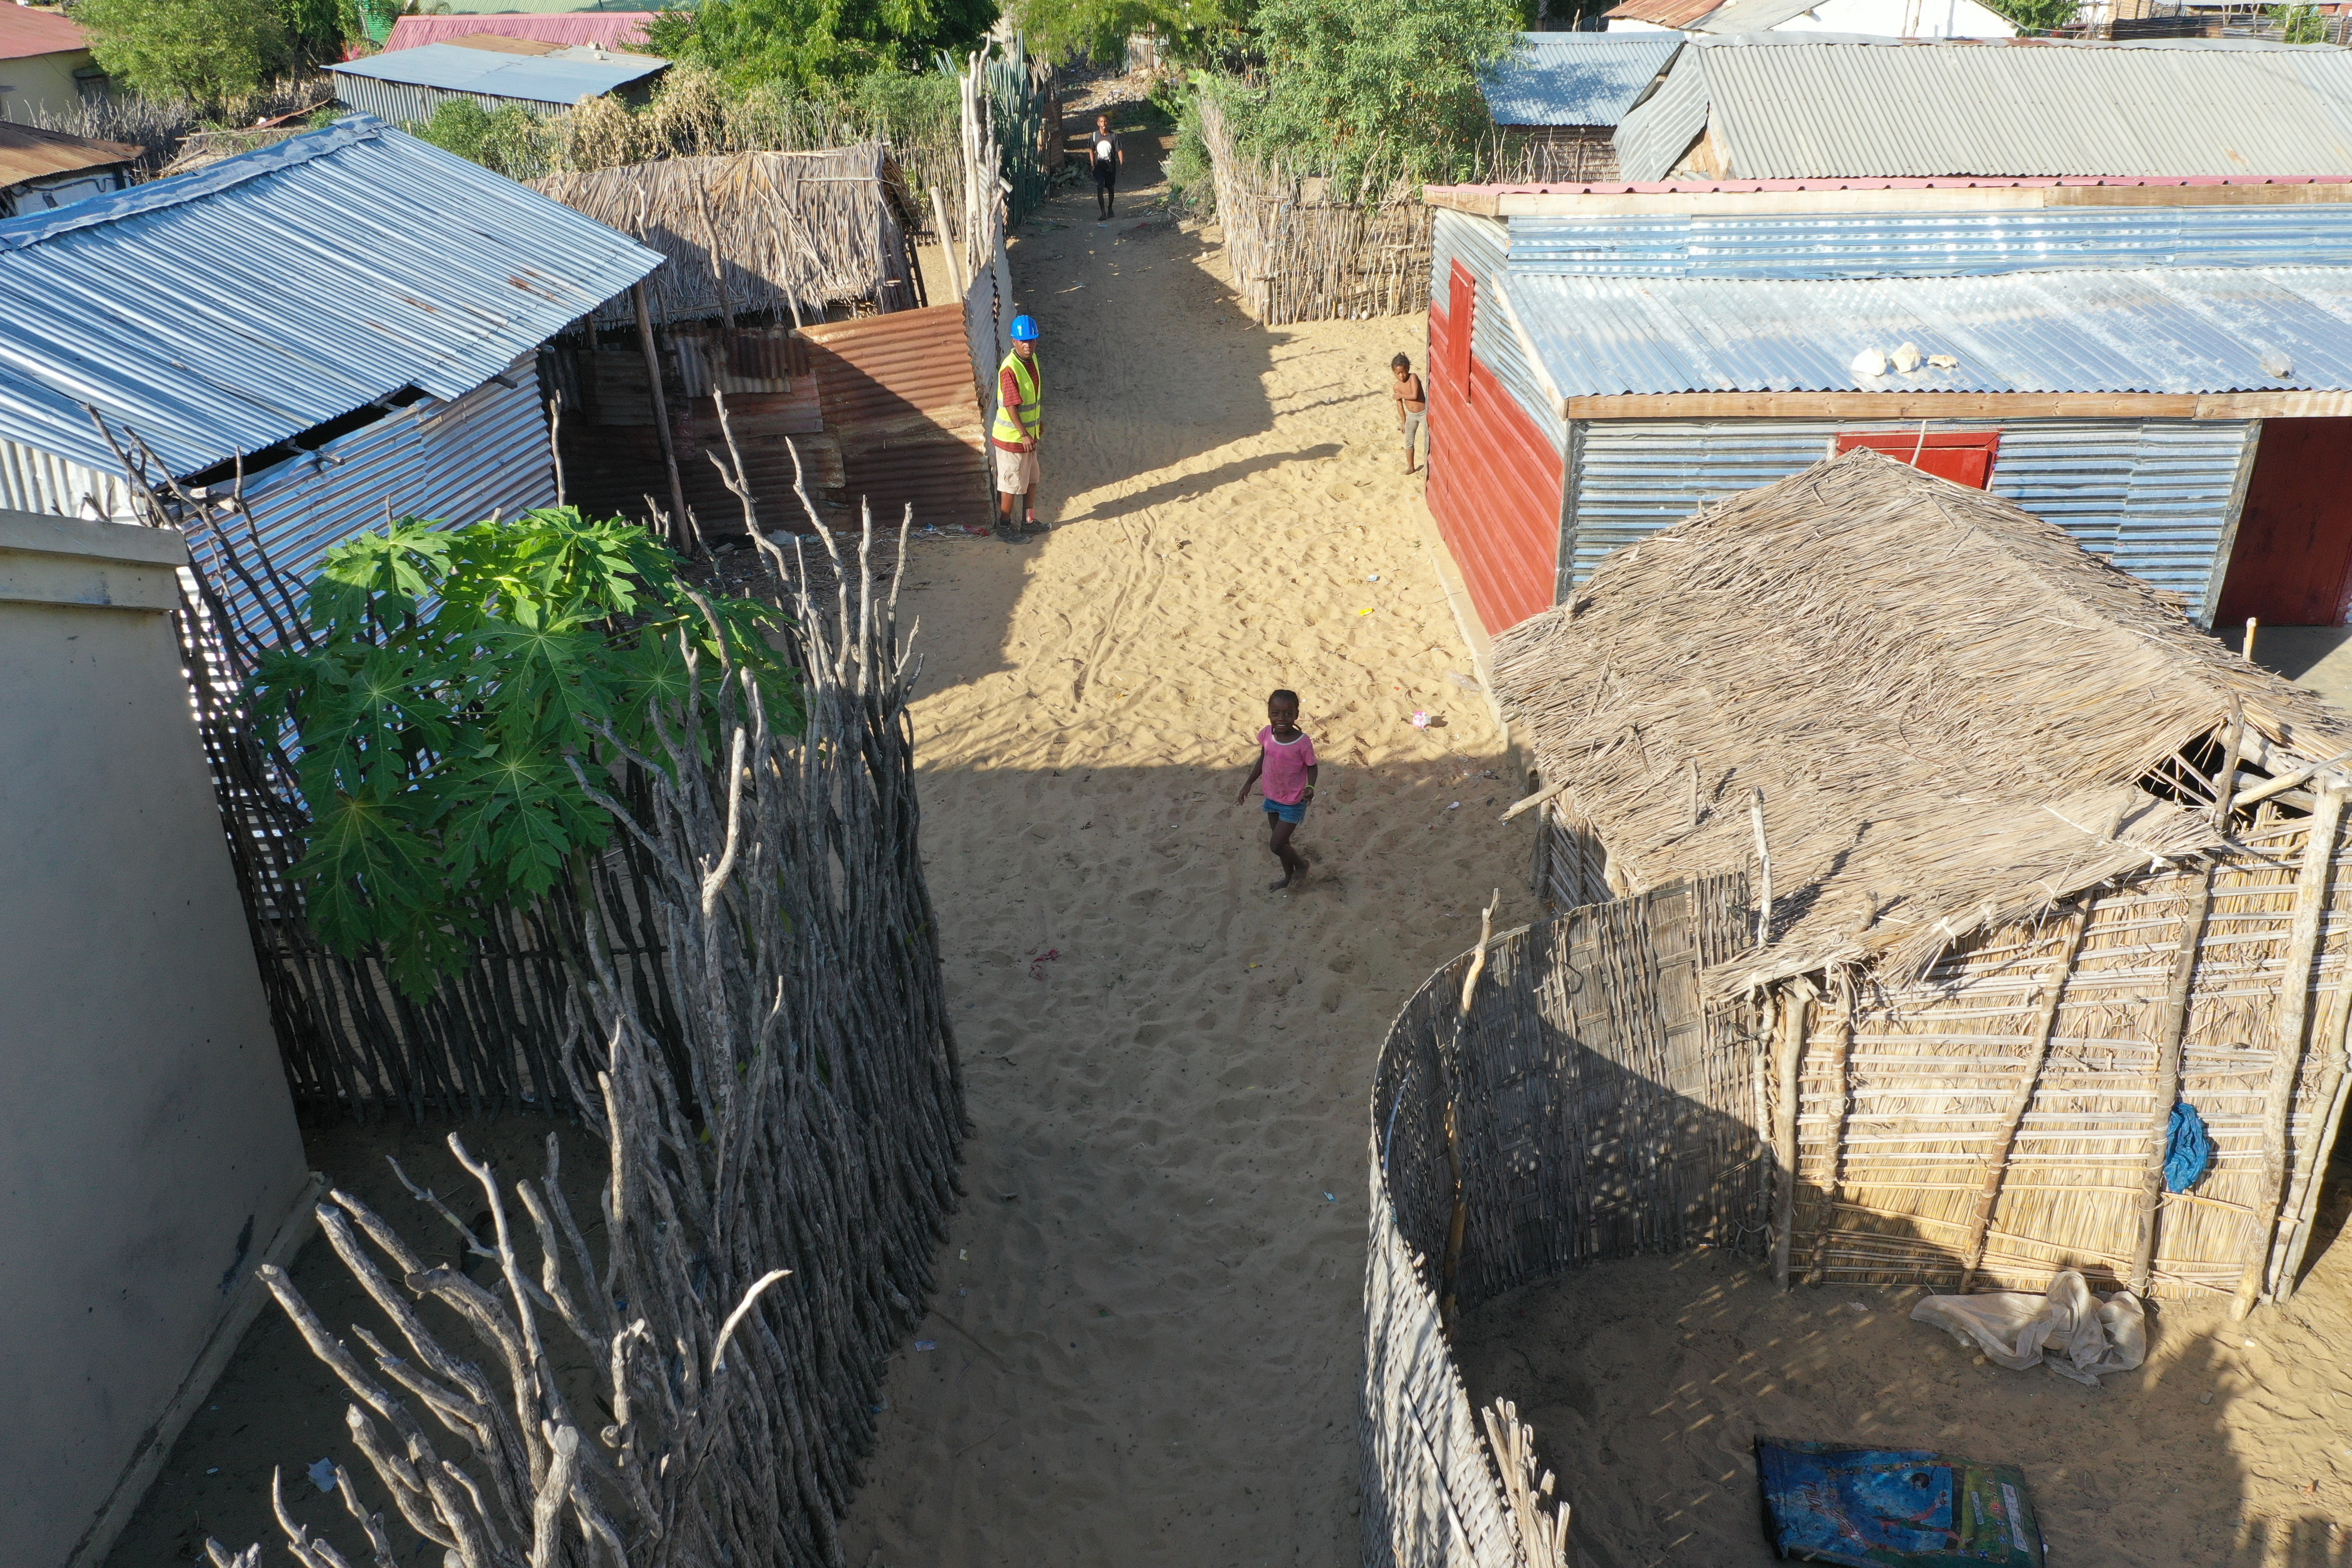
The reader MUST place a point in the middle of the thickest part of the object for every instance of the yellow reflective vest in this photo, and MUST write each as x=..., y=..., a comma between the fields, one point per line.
x=1009, y=428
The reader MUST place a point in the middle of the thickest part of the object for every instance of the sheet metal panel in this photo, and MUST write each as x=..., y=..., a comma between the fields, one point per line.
x=555, y=80
x=1654, y=133
x=1801, y=109
x=2181, y=331
x=896, y=394
x=2152, y=496
x=1931, y=245
x=403, y=103
x=605, y=29
x=168, y=306
x=1493, y=481
x=448, y=461
x=1576, y=78
x=34, y=480
x=1478, y=245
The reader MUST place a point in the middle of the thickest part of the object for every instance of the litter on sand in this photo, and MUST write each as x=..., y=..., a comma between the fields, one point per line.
x=1421, y=721
x=323, y=1475
x=1895, y=1508
x=2076, y=1333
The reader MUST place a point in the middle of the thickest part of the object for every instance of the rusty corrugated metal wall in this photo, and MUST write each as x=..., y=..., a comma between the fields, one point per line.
x=897, y=394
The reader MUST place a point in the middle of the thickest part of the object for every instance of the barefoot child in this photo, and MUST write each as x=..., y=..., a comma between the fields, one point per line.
x=1286, y=760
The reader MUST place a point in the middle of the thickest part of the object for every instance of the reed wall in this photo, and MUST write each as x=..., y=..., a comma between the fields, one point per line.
x=1300, y=253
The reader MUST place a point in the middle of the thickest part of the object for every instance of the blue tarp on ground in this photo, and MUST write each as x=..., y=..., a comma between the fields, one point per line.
x=1895, y=1508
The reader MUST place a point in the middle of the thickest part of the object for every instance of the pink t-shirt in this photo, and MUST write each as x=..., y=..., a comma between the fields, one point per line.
x=1286, y=761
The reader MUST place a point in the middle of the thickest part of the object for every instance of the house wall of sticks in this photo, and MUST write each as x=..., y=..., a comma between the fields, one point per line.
x=2006, y=1114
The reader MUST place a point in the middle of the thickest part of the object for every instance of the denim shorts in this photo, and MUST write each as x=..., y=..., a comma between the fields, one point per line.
x=1295, y=812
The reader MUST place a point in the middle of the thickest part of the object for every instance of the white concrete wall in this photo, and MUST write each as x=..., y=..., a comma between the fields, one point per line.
x=148, y=1152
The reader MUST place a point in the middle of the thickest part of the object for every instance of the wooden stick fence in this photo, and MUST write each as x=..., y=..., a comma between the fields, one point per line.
x=783, y=1110
x=1300, y=253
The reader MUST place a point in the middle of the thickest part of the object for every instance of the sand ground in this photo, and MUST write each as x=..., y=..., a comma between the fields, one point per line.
x=1647, y=1380
x=1147, y=1338
x=1145, y=1346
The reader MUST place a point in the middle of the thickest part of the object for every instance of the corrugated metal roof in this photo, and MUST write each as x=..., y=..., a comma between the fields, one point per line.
x=228, y=310
x=607, y=29
x=1987, y=242
x=28, y=152
x=25, y=33
x=2176, y=330
x=1790, y=106
x=1662, y=13
x=1752, y=15
x=549, y=78
x=1576, y=78
x=1696, y=184
x=1649, y=140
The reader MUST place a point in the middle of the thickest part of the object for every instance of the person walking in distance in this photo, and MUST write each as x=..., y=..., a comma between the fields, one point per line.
x=1107, y=159
x=1413, y=404
x=1020, y=392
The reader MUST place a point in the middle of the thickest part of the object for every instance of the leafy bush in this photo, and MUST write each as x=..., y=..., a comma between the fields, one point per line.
x=1392, y=82
x=1192, y=180
x=210, y=51
x=511, y=140
x=2037, y=15
x=816, y=46
x=456, y=678
x=907, y=107
x=2298, y=23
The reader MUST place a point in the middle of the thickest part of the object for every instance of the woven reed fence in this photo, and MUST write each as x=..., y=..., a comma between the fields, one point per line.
x=1560, y=1096
x=2001, y=1118
x=1300, y=254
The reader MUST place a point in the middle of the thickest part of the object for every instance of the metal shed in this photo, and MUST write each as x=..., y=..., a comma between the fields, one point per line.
x=41, y=169
x=347, y=317
x=1558, y=100
x=410, y=84
x=2115, y=356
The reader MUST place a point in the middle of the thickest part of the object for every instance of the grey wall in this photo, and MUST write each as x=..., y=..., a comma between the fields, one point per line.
x=148, y=1152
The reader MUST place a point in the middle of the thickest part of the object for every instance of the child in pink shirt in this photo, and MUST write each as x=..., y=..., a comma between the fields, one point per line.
x=1286, y=759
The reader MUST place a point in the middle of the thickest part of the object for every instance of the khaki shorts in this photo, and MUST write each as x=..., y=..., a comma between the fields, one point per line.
x=1016, y=472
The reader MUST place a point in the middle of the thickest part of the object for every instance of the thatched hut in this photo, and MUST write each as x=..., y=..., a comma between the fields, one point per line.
x=2033, y=859
x=778, y=262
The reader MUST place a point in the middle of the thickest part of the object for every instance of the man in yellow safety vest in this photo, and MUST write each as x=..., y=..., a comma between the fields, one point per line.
x=1013, y=439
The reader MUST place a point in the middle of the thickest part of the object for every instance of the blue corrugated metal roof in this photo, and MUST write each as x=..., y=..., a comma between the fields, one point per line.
x=228, y=310
x=1983, y=243
x=2184, y=331
x=1576, y=78
x=540, y=78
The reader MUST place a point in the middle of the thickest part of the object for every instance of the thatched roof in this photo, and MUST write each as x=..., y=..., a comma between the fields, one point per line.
x=1949, y=706
x=819, y=228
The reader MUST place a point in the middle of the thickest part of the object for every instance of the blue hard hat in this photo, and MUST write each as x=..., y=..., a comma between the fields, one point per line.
x=1025, y=329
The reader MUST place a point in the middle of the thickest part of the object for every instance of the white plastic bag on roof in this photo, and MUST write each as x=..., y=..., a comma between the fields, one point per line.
x=2076, y=1333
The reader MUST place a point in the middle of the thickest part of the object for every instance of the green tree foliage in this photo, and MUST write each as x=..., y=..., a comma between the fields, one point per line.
x=2037, y=15
x=2299, y=24
x=456, y=677
x=510, y=140
x=818, y=46
x=208, y=50
x=1396, y=81
x=1099, y=28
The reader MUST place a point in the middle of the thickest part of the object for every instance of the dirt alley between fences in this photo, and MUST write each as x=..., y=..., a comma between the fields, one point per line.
x=1148, y=1316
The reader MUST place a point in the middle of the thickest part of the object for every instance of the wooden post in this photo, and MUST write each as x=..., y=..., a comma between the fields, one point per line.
x=661, y=414
x=1763, y=870
x=2171, y=1028
x=2289, y=1021
x=2045, y=1023
x=1840, y=1092
x=1787, y=1059
x=2335, y=1082
x=2253, y=624
x=948, y=247
x=1458, y=1227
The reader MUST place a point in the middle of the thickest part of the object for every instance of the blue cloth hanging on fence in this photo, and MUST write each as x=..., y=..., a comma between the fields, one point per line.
x=2188, y=1149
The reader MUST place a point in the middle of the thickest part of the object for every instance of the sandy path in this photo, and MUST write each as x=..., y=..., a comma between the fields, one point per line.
x=1150, y=1310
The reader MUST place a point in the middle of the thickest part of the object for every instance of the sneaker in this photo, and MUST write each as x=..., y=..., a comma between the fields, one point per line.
x=1007, y=533
x=1033, y=526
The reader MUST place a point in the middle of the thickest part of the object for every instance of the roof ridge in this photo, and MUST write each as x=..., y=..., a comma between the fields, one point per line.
x=21, y=234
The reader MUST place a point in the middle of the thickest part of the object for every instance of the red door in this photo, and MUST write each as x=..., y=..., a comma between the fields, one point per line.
x=1963, y=456
x=2294, y=554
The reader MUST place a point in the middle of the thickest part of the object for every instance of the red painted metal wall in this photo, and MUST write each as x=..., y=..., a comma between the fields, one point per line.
x=2293, y=563
x=1963, y=456
x=1493, y=480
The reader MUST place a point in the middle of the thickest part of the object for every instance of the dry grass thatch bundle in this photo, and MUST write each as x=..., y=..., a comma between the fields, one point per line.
x=750, y=233
x=2037, y=860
